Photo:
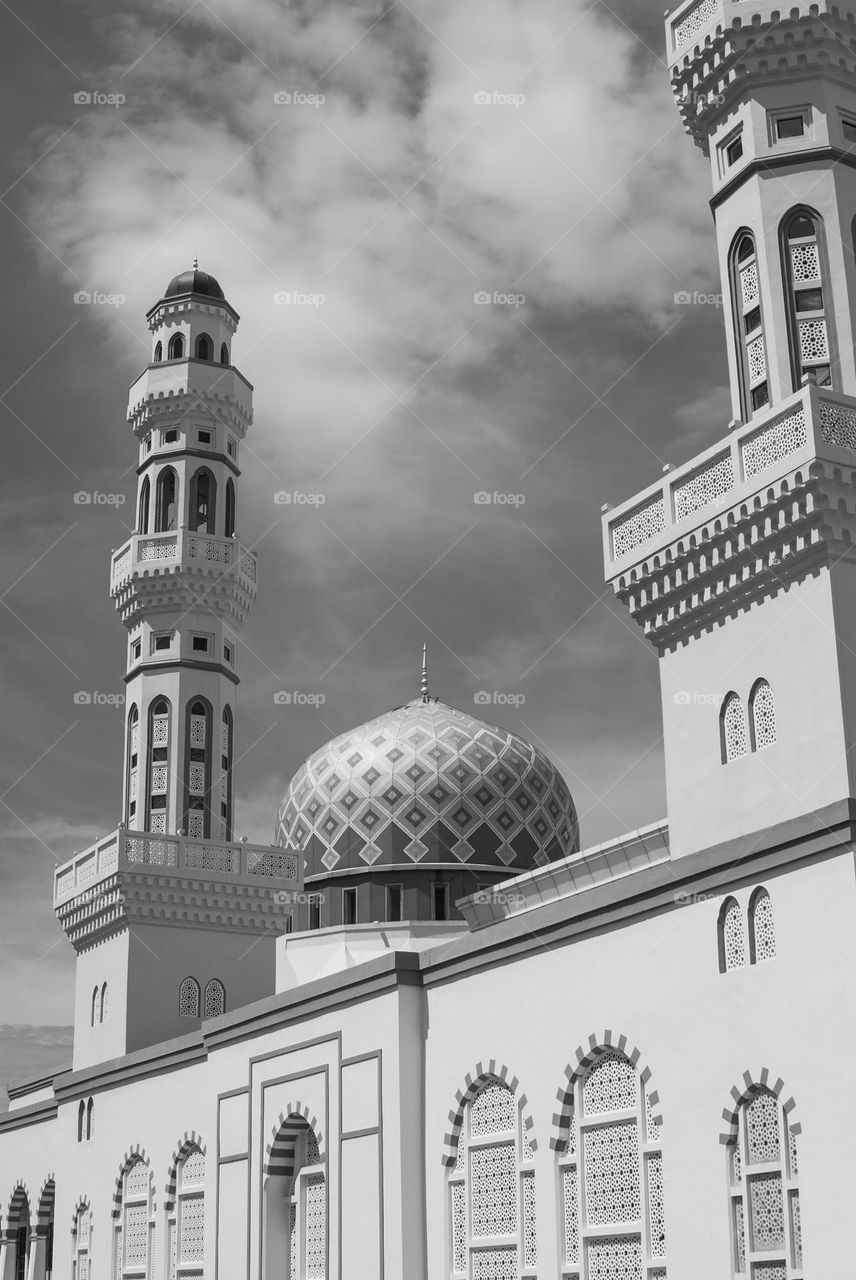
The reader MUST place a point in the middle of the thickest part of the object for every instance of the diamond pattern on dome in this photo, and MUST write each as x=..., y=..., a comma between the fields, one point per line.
x=427, y=781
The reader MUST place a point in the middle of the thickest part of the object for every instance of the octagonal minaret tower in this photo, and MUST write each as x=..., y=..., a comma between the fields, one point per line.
x=183, y=584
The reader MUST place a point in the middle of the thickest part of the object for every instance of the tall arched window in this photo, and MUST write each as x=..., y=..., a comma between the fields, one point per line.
x=215, y=999
x=766, y=1232
x=133, y=761
x=188, y=998
x=732, y=724
x=806, y=297
x=224, y=353
x=159, y=766
x=762, y=927
x=492, y=1189
x=158, y=353
x=186, y=1217
x=81, y=1120
x=295, y=1205
x=90, y=1108
x=80, y=1242
x=750, y=347
x=762, y=715
x=133, y=1241
x=612, y=1176
x=198, y=776
x=230, y=508
x=203, y=491
x=102, y=1006
x=94, y=1012
x=143, y=514
x=165, y=500
x=175, y=350
x=18, y=1232
x=732, y=940
x=226, y=775
x=204, y=347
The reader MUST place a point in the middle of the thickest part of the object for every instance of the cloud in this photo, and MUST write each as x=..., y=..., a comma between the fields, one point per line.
x=30, y=1051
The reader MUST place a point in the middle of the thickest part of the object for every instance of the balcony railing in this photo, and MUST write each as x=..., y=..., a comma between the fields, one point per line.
x=147, y=553
x=125, y=850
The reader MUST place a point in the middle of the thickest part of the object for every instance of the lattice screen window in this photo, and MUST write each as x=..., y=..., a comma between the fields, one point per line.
x=762, y=927
x=186, y=1219
x=762, y=709
x=134, y=1233
x=215, y=999
x=613, y=1223
x=159, y=767
x=764, y=1207
x=224, y=787
x=749, y=339
x=198, y=770
x=733, y=730
x=80, y=1243
x=307, y=1214
x=732, y=937
x=492, y=1204
x=806, y=300
x=133, y=764
x=189, y=998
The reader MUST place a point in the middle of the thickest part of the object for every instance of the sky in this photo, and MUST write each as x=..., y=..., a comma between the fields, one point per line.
x=481, y=215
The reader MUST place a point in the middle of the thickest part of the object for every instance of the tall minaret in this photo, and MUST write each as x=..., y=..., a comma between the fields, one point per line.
x=183, y=584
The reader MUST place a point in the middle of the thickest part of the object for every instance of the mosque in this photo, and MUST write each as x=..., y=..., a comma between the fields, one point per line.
x=425, y=1035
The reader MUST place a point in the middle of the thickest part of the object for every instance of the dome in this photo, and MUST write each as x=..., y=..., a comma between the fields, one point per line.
x=427, y=781
x=194, y=281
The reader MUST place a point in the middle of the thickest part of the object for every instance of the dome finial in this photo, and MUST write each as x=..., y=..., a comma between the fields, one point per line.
x=195, y=264
x=425, y=696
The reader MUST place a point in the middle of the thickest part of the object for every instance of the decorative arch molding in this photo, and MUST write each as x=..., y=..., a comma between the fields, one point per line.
x=190, y=1141
x=473, y=1082
x=47, y=1199
x=280, y=1153
x=82, y=1204
x=131, y=1156
x=751, y=1080
x=20, y=1192
x=586, y=1058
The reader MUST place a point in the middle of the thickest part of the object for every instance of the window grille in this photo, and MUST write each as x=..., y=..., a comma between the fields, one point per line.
x=766, y=1233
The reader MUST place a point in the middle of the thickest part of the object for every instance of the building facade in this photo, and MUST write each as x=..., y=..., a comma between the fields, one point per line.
x=425, y=1035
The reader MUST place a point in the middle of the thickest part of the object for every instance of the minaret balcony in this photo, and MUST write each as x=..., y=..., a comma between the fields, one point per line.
x=148, y=565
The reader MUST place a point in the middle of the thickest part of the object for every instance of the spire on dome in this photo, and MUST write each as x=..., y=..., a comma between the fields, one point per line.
x=424, y=690
x=195, y=264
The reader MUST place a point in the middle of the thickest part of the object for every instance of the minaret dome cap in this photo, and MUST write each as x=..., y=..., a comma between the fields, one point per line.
x=194, y=281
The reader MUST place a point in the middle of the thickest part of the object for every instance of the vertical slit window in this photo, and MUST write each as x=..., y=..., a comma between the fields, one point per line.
x=230, y=508
x=226, y=735
x=750, y=346
x=143, y=516
x=159, y=766
x=133, y=761
x=165, y=497
x=806, y=299
x=198, y=778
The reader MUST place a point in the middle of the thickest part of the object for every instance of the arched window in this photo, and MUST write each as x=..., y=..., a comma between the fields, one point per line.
x=81, y=1120
x=80, y=1242
x=492, y=1188
x=295, y=1205
x=44, y=1243
x=612, y=1175
x=143, y=514
x=133, y=1241
x=90, y=1107
x=159, y=726
x=203, y=491
x=133, y=761
x=204, y=347
x=224, y=353
x=198, y=774
x=165, y=500
x=733, y=733
x=94, y=1012
x=230, y=508
x=188, y=998
x=806, y=297
x=762, y=715
x=186, y=1217
x=226, y=775
x=766, y=1232
x=175, y=350
x=762, y=927
x=732, y=940
x=18, y=1232
x=215, y=999
x=749, y=344
x=102, y=1009
x=158, y=352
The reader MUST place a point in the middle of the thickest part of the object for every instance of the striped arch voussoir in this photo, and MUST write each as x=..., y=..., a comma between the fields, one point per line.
x=20, y=1191
x=134, y=1153
x=47, y=1196
x=82, y=1203
x=585, y=1057
x=762, y=1078
x=281, y=1151
x=190, y=1142
x=484, y=1073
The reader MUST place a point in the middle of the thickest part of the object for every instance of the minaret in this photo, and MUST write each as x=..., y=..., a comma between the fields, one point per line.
x=739, y=565
x=183, y=584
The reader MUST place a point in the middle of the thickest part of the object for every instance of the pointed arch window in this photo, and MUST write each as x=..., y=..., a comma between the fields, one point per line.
x=762, y=927
x=175, y=350
x=198, y=776
x=204, y=347
x=749, y=342
x=491, y=1189
x=226, y=730
x=81, y=1120
x=143, y=513
x=806, y=297
x=159, y=766
x=165, y=500
x=763, y=1169
x=158, y=352
x=90, y=1129
x=133, y=760
x=762, y=715
x=215, y=999
x=733, y=732
x=94, y=1011
x=102, y=1007
x=188, y=998
x=230, y=508
x=732, y=939
x=186, y=1218
x=611, y=1176
x=80, y=1245
x=224, y=353
x=133, y=1239
x=295, y=1205
x=203, y=490
x=18, y=1232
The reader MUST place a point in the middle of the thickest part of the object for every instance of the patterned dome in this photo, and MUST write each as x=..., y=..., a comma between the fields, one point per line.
x=428, y=782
